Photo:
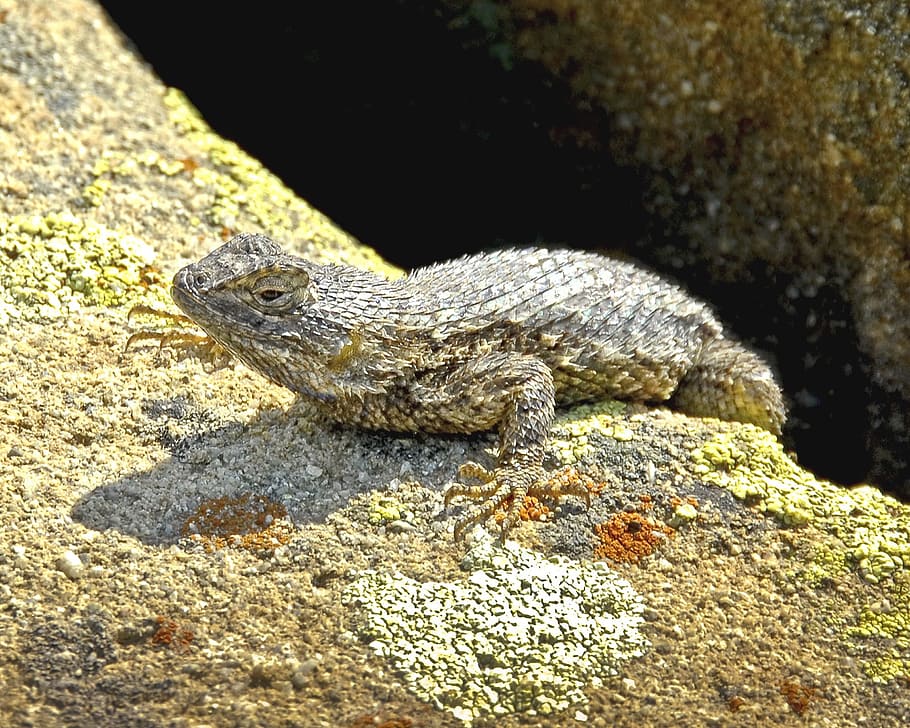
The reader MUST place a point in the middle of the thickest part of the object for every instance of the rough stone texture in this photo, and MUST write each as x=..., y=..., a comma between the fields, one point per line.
x=770, y=139
x=778, y=593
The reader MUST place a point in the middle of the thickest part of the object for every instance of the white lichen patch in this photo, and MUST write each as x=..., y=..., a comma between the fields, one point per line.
x=523, y=633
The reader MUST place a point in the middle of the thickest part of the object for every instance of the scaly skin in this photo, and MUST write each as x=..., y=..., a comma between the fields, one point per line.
x=494, y=340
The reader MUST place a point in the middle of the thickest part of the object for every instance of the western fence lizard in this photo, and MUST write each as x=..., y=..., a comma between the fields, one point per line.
x=485, y=341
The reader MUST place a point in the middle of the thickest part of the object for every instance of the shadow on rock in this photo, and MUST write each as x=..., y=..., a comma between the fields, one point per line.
x=309, y=470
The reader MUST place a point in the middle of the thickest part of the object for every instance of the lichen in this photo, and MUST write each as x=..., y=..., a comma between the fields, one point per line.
x=858, y=528
x=752, y=464
x=883, y=628
x=684, y=512
x=523, y=633
x=629, y=536
x=383, y=509
x=248, y=521
x=827, y=562
x=573, y=428
x=55, y=264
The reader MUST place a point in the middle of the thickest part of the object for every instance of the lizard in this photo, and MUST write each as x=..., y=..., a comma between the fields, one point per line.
x=495, y=340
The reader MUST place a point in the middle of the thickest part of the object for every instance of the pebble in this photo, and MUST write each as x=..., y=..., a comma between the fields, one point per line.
x=70, y=564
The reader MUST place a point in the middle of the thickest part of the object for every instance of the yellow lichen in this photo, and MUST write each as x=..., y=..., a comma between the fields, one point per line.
x=885, y=625
x=55, y=264
x=888, y=667
x=572, y=429
x=751, y=464
x=94, y=193
x=683, y=513
x=826, y=563
x=383, y=508
x=859, y=528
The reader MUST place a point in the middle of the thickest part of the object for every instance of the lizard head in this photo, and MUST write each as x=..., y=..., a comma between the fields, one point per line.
x=286, y=317
x=246, y=288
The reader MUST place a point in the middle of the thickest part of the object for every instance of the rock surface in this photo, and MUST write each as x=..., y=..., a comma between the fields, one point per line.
x=181, y=547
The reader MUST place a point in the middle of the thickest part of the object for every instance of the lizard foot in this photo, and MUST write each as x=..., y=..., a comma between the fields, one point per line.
x=200, y=345
x=507, y=487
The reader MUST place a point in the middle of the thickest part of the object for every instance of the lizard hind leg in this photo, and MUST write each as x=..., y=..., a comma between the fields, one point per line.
x=731, y=382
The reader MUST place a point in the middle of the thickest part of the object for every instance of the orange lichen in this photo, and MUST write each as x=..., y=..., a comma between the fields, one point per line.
x=565, y=481
x=534, y=510
x=735, y=702
x=251, y=522
x=627, y=537
x=799, y=697
x=190, y=165
x=170, y=634
x=531, y=510
x=676, y=501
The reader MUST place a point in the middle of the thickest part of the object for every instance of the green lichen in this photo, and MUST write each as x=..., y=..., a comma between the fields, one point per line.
x=383, y=509
x=94, y=193
x=884, y=628
x=523, y=633
x=572, y=429
x=827, y=562
x=888, y=667
x=751, y=464
x=683, y=514
x=53, y=265
x=858, y=528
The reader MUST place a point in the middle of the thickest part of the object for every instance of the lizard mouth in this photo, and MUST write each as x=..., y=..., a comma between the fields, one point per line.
x=186, y=294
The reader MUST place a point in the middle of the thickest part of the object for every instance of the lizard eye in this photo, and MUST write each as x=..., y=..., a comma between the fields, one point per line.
x=269, y=295
x=272, y=292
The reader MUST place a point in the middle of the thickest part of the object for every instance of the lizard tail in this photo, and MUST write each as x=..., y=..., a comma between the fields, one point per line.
x=731, y=382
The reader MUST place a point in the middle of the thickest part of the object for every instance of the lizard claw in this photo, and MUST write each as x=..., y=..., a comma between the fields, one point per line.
x=506, y=488
x=213, y=354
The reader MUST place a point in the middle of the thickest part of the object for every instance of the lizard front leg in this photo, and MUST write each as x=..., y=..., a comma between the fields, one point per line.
x=523, y=389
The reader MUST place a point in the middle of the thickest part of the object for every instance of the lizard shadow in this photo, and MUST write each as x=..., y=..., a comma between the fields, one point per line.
x=312, y=469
